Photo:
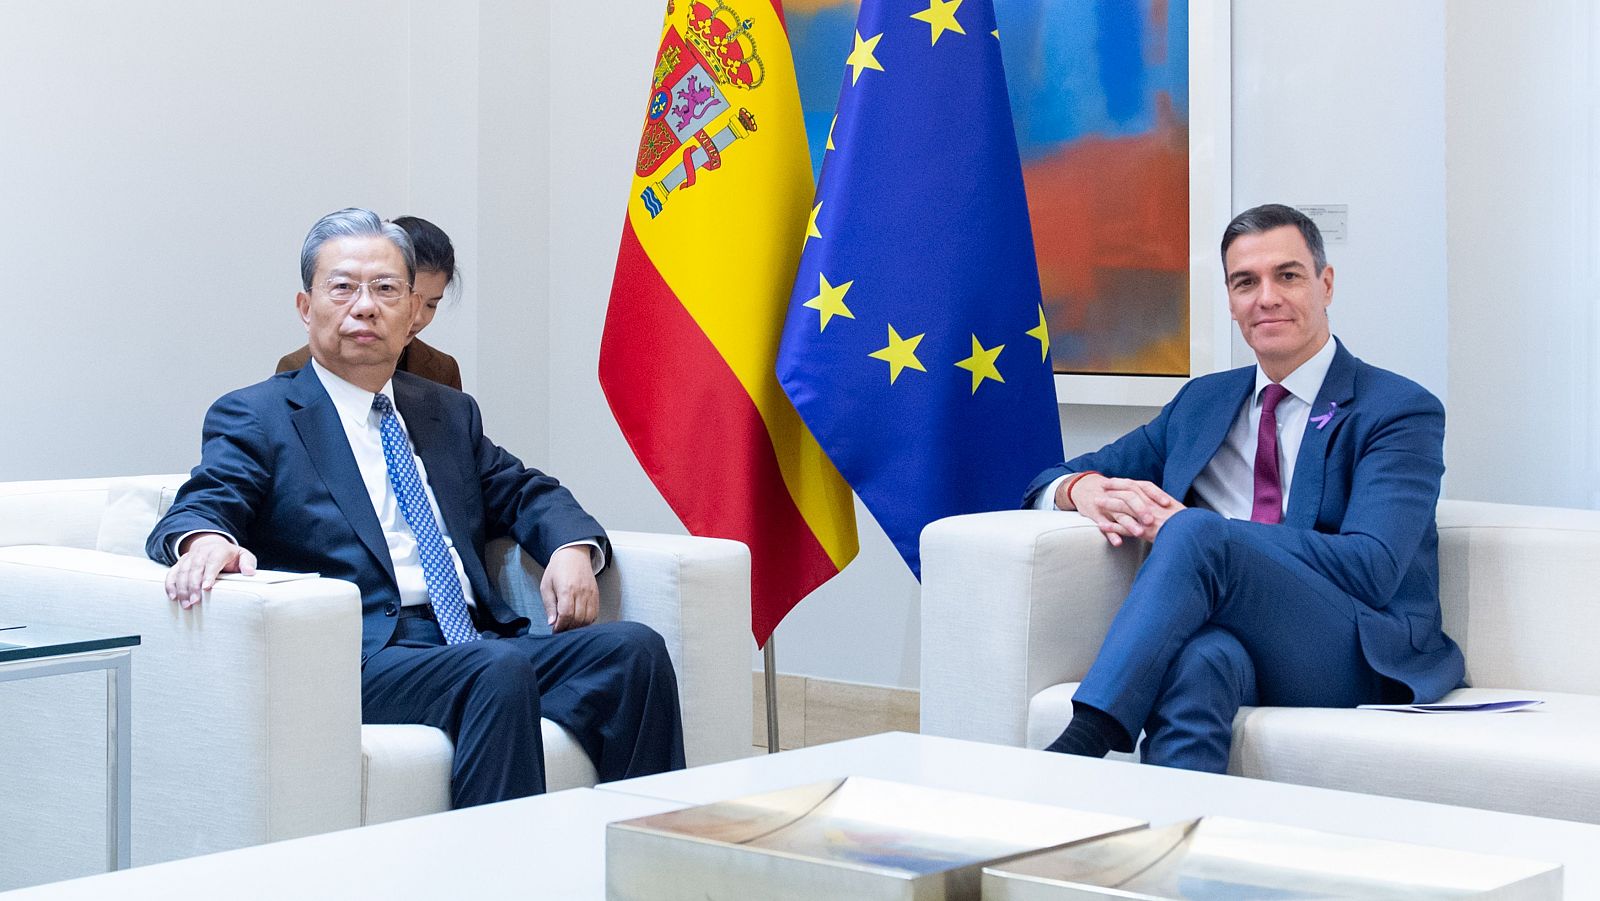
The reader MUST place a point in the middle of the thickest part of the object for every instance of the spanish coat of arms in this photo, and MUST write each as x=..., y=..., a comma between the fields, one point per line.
x=690, y=120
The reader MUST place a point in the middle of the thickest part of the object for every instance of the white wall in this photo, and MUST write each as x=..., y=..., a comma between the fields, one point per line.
x=160, y=164
x=1344, y=103
x=592, y=133
x=510, y=289
x=439, y=81
x=1523, y=248
x=158, y=167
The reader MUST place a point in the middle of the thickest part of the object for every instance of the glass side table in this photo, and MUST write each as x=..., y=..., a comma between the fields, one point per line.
x=33, y=651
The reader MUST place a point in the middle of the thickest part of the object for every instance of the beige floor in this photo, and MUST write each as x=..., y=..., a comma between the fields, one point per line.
x=818, y=711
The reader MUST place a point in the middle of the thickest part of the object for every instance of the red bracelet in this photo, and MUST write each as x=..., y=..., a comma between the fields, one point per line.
x=1073, y=482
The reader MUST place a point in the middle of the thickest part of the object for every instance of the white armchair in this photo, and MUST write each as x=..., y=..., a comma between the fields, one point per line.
x=247, y=709
x=1015, y=605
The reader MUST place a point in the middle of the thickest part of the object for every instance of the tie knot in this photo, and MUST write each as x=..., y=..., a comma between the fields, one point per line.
x=380, y=402
x=1271, y=396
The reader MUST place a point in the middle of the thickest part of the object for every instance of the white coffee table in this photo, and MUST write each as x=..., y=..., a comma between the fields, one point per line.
x=546, y=847
x=1151, y=793
x=554, y=846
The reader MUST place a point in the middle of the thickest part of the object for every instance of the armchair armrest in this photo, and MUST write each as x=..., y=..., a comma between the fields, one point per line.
x=695, y=592
x=246, y=711
x=1012, y=603
x=1514, y=584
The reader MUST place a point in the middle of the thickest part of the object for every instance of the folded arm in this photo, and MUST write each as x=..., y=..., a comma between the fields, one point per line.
x=1120, y=508
x=219, y=500
x=1121, y=492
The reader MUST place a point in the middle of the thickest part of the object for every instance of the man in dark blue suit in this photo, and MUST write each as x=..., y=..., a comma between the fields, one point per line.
x=1289, y=508
x=353, y=470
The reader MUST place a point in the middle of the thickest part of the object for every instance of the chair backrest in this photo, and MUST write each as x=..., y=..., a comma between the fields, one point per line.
x=516, y=575
x=1520, y=588
x=110, y=514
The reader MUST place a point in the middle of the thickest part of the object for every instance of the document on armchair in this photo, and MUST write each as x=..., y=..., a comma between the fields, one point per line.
x=1479, y=707
x=267, y=577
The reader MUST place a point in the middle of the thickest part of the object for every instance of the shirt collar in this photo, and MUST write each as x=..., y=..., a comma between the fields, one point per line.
x=353, y=403
x=1306, y=381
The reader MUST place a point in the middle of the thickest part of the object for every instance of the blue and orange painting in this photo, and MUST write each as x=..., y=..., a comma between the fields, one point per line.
x=1100, y=97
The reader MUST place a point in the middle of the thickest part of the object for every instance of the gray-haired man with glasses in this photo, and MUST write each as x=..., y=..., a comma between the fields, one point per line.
x=358, y=472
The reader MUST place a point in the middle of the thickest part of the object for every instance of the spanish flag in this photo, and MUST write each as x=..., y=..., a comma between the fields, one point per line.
x=716, y=218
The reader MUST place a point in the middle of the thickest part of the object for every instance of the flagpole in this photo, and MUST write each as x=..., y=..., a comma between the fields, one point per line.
x=769, y=661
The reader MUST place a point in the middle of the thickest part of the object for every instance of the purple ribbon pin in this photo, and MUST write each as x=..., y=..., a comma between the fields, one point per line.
x=1327, y=417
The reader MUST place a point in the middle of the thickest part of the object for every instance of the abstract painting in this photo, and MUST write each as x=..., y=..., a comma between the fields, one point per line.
x=1100, y=97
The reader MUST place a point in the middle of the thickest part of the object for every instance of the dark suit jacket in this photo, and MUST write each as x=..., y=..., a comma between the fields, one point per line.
x=1361, y=507
x=418, y=359
x=276, y=472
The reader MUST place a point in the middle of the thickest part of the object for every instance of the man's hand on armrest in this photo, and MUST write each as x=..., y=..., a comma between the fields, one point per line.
x=1122, y=508
x=201, y=558
x=571, y=595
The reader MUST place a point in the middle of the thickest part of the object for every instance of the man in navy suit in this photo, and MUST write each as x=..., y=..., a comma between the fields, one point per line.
x=353, y=470
x=1289, y=507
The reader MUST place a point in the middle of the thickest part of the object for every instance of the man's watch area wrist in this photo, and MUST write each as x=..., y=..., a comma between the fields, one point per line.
x=183, y=543
x=1073, y=483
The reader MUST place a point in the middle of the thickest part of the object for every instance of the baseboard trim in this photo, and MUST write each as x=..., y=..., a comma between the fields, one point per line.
x=817, y=711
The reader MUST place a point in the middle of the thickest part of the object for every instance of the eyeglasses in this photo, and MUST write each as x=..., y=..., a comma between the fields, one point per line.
x=382, y=290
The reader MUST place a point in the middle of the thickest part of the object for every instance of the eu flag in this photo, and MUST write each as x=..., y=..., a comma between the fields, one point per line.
x=915, y=345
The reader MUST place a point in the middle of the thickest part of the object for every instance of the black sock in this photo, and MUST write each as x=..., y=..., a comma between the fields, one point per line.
x=1088, y=734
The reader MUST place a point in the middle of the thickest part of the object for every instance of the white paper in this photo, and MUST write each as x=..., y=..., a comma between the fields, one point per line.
x=1474, y=707
x=267, y=577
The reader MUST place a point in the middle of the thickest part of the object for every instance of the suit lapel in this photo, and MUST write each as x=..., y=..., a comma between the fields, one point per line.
x=1205, y=439
x=317, y=421
x=1327, y=416
x=432, y=442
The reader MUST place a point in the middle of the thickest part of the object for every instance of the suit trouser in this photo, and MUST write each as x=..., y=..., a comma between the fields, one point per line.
x=611, y=685
x=1216, y=621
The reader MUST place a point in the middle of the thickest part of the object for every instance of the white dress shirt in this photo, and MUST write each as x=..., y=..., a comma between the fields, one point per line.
x=361, y=422
x=1227, y=483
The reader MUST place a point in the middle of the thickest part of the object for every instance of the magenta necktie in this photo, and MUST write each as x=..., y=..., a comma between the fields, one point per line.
x=1268, y=504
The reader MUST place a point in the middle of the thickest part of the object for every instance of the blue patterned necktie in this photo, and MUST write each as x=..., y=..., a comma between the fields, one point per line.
x=444, y=585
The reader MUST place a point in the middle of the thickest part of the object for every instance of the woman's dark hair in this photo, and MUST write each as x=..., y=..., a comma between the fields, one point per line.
x=435, y=253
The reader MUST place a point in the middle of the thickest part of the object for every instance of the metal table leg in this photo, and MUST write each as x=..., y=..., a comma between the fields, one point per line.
x=119, y=762
x=58, y=651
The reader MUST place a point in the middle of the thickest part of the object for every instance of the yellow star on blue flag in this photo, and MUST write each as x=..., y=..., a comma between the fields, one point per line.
x=927, y=215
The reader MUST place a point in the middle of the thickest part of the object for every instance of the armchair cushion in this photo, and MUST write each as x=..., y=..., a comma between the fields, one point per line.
x=405, y=772
x=133, y=506
x=61, y=513
x=1539, y=761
